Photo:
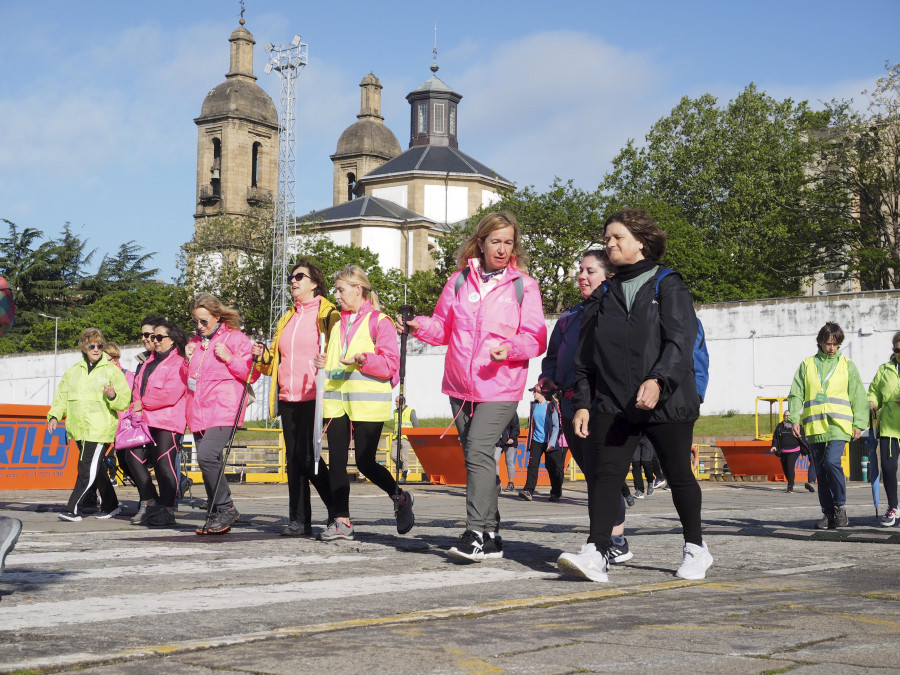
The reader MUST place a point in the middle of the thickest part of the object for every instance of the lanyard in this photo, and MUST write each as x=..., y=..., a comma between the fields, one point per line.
x=824, y=381
x=351, y=331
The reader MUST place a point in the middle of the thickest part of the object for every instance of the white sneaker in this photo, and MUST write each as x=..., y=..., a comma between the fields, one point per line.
x=696, y=561
x=588, y=564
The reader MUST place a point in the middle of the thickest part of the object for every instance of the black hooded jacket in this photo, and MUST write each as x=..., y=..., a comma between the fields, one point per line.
x=618, y=350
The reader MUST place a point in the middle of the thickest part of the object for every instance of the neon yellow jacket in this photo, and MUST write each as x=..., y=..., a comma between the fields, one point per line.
x=89, y=415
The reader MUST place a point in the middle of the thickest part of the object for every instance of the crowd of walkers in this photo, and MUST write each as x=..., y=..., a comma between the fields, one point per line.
x=617, y=387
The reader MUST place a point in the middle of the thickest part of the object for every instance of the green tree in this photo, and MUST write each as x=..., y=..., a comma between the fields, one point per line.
x=862, y=156
x=732, y=185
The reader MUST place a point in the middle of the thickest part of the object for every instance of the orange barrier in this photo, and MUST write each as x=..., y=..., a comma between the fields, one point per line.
x=31, y=458
x=442, y=458
x=752, y=458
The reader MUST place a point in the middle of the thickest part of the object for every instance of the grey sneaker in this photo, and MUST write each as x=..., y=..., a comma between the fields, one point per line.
x=145, y=512
x=526, y=495
x=588, y=564
x=336, y=530
x=629, y=501
x=889, y=518
x=221, y=523
x=10, y=529
x=695, y=562
x=840, y=517
x=638, y=494
x=162, y=517
x=104, y=515
x=650, y=489
x=826, y=523
x=293, y=529
x=405, y=517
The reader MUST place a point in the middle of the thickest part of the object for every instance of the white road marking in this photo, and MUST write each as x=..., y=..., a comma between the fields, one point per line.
x=231, y=598
x=809, y=568
x=104, y=554
x=170, y=568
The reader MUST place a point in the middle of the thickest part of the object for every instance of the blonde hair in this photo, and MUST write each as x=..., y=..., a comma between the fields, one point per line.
x=492, y=221
x=225, y=314
x=112, y=351
x=354, y=275
x=90, y=335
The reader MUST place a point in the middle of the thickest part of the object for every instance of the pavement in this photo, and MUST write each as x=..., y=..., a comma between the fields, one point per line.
x=102, y=596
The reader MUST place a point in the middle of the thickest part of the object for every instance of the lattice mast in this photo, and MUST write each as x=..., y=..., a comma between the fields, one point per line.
x=286, y=61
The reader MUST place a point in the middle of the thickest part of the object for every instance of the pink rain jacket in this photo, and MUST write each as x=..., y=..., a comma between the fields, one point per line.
x=165, y=398
x=219, y=385
x=471, y=326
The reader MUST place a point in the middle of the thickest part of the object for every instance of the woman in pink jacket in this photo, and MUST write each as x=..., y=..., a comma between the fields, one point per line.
x=219, y=362
x=491, y=319
x=159, y=393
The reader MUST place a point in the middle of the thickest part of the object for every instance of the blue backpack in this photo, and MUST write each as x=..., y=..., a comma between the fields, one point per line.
x=701, y=355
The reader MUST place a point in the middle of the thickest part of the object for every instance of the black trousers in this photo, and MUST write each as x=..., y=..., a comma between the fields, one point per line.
x=365, y=441
x=554, y=463
x=578, y=446
x=890, y=449
x=607, y=459
x=92, y=474
x=297, y=423
x=647, y=467
x=788, y=465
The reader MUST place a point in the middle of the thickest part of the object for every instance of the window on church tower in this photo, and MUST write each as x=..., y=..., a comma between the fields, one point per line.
x=216, y=181
x=351, y=186
x=453, y=120
x=438, y=126
x=422, y=127
x=254, y=166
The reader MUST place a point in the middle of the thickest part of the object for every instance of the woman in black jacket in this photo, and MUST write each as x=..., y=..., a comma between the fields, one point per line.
x=634, y=375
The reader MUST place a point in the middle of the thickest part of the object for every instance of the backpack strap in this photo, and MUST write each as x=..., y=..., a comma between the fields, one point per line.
x=664, y=272
x=373, y=325
x=518, y=284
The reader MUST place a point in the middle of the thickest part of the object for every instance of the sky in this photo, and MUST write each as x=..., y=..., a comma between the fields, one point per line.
x=97, y=99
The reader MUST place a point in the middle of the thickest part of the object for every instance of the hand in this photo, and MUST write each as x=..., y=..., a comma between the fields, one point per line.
x=648, y=395
x=772, y=450
x=358, y=359
x=856, y=434
x=222, y=352
x=51, y=425
x=109, y=391
x=580, y=422
x=189, y=350
x=411, y=326
x=319, y=361
x=795, y=428
x=257, y=349
x=499, y=354
x=136, y=406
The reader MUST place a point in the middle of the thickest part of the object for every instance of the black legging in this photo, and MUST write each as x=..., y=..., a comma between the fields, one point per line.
x=788, y=464
x=890, y=449
x=607, y=459
x=365, y=439
x=164, y=458
x=578, y=446
x=297, y=422
x=138, y=462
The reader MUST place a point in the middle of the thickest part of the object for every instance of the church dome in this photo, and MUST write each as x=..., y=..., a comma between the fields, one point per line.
x=239, y=97
x=368, y=136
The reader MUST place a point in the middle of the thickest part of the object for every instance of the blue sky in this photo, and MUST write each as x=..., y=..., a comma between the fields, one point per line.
x=98, y=98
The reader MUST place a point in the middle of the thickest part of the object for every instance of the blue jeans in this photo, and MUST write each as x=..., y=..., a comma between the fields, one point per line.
x=832, y=488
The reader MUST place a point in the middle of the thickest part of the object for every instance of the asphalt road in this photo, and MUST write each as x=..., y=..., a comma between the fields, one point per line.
x=102, y=596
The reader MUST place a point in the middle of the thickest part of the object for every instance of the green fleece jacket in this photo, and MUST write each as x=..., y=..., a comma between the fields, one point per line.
x=856, y=395
x=89, y=415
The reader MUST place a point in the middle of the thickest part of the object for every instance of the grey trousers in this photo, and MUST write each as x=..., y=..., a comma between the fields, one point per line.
x=479, y=426
x=209, y=444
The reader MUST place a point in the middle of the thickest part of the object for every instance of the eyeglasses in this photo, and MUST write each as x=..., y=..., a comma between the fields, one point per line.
x=93, y=347
x=200, y=322
x=158, y=338
x=300, y=276
x=147, y=336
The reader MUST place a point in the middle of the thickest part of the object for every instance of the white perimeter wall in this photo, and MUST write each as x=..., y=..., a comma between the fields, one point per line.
x=754, y=348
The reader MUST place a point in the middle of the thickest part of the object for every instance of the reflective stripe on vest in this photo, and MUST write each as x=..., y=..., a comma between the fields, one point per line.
x=818, y=415
x=361, y=397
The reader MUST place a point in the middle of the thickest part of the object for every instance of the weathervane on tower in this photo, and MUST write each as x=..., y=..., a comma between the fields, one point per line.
x=243, y=9
x=434, y=65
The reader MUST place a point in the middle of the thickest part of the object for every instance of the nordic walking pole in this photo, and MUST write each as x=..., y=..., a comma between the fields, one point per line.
x=407, y=312
x=320, y=404
x=227, y=450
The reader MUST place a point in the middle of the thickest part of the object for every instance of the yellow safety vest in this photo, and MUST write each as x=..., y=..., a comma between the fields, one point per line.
x=363, y=398
x=829, y=406
x=406, y=418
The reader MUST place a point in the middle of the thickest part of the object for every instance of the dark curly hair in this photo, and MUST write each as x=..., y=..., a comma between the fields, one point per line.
x=179, y=337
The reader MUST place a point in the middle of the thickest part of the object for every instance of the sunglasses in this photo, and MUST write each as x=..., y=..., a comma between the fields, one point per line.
x=300, y=276
x=897, y=350
x=146, y=336
x=200, y=322
x=158, y=338
x=92, y=347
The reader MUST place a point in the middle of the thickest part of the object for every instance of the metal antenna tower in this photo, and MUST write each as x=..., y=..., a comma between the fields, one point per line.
x=287, y=61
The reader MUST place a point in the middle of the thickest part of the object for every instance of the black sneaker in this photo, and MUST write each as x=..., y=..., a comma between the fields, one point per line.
x=810, y=487
x=526, y=495
x=161, y=518
x=145, y=513
x=840, y=517
x=629, y=500
x=827, y=522
x=619, y=554
x=405, y=517
x=493, y=547
x=553, y=498
x=71, y=517
x=470, y=547
x=221, y=523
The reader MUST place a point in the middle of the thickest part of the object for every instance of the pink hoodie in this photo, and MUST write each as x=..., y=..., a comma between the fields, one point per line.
x=164, y=401
x=471, y=326
x=219, y=385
